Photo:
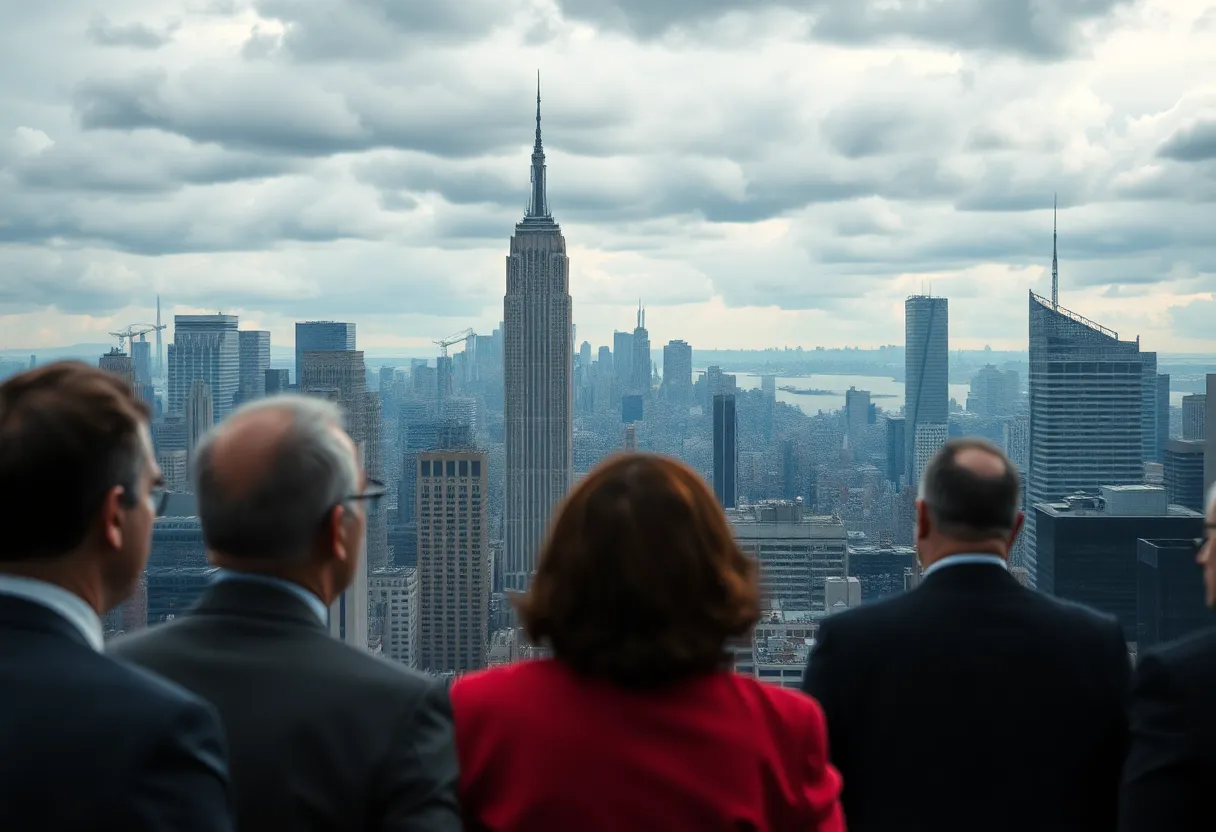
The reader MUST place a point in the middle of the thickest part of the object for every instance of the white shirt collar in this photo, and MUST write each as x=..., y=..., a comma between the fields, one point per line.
x=57, y=599
x=954, y=560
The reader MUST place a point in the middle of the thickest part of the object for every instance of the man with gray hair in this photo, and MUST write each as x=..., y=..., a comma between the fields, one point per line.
x=1171, y=767
x=973, y=702
x=322, y=736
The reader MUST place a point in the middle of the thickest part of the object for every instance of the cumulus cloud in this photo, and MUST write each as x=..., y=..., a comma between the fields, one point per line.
x=135, y=35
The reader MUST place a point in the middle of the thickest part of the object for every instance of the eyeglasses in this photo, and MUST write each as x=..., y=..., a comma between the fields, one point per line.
x=159, y=497
x=373, y=490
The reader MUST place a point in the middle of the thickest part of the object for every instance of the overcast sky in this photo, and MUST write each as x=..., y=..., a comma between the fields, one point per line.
x=759, y=172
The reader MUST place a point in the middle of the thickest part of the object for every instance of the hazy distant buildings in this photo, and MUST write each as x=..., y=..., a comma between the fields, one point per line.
x=206, y=348
x=677, y=371
x=453, y=560
x=857, y=413
x=726, y=450
x=926, y=369
x=994, y=392
x=1194, y=416
x=640, y=375
x=119, y=363
x=321, y=336
x=277, y=381
x=622, y=359
x=897, y=447
x=1209, y=430
x=1086, y=411
x=538, y=377
x=1161, y=414
x=254, y=348
x=200, y=416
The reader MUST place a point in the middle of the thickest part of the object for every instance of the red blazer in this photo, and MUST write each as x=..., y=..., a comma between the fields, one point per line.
x=542, y=749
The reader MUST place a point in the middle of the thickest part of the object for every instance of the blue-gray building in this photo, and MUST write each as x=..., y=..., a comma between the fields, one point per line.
x=726, y=450
x=1169, y=592
x=322, y=336
x=926, y=366
x=205, y=348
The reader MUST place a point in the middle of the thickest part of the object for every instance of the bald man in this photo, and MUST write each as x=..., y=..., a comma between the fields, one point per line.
x=1171, y=768
x=322, y=736
x=972, y=702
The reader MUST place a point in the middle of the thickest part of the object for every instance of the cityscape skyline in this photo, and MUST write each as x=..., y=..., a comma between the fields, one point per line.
x=713, y=201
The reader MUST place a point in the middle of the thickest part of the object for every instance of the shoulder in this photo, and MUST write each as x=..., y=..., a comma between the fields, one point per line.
x=146, y=699
x=877, y=615
x=795, y=706
x=142, y=643
x=1193, y=655
x=1077, y=617
x=495, y=684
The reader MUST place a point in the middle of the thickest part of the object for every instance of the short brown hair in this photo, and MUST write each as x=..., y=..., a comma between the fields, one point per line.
x=641, y=582
x=68, y=434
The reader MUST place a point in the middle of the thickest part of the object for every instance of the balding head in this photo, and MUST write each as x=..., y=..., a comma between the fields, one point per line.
x=970, y=492
x=268, y=477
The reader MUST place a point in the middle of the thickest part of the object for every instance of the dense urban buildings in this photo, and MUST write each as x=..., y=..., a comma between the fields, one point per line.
x=453, y=560
x=796, y=552
x=926, y=372
x=538, y=383
x=1086, y=411
x=206, y=348
x=322, y=336
x=254, y=349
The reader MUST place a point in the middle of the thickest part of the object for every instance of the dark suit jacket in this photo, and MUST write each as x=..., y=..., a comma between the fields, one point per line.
x=87, y=743
x=1170, y=777
x=322, y=736
x=973, y=703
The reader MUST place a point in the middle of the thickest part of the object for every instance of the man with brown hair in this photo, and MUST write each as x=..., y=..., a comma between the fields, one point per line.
x=89, y=743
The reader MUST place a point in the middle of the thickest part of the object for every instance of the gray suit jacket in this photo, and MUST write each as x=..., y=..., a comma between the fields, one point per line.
x=321, y=736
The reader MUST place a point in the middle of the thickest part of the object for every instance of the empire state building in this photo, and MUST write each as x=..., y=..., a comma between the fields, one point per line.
x=538, y=377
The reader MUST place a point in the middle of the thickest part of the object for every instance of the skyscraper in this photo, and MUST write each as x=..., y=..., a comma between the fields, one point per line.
x=538, y=377
x=453, y=560
x=200, y=415
x=677, y=370
x=926, y=367
x=640, y=375
x=254, y=347
x=622, y=359
x=321, y=336
x=1194, y=416
x=726, y=450
x=205, y=347
x=1209, y=433
x=120, y=364
x=1087, y=407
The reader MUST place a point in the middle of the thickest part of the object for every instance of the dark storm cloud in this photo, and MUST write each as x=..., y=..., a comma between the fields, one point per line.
x=359, y=30
x=1195, y=142
x=1040, y=29
x=135, y=35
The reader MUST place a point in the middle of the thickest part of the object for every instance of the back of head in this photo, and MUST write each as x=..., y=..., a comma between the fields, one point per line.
x=69, y=434
x=641, y=582
x=970, y=492
x=267, y=479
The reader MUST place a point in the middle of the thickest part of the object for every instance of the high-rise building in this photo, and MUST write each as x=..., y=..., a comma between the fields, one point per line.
x=640, y=376
x=796, y=553
x=453, y=561
x=1087, y=545
x=1184, y=472
x=605, y=361
x=254, y=345
x=321, y=336
x=200, y=415
x=622, y=359
x=897, y=447
x=857, y=412
x=207, y=348
x=120, y=364
x=929, y=440
x=1209, y=432
x=395, y=612
x=538, y=377
x=1194, y=416
x=1161, y=412
x=1086, y=411
x=726, y=450
x=1169, y=594
x=994, y=392
x=677, y=370
x=277, y=381
x=926, y=366
x=141, y=358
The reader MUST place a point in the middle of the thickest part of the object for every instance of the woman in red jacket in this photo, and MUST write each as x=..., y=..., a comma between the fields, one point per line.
x=637, y=723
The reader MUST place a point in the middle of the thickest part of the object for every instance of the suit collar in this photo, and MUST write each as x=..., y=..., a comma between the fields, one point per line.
x=256, y=599
x=970, y=574
x=18, y=613
x=65, y=604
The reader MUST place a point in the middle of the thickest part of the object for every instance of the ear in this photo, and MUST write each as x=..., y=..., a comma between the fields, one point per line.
x=923, y=524
x=338, y=548
x=111, y=514
x=1017, y=527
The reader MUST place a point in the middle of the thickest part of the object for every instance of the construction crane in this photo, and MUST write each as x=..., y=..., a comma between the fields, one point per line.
x=130, y=332
x=444, y=343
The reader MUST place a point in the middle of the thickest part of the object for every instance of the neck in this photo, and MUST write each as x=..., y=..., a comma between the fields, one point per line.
x=306, y=573
x=75, y=574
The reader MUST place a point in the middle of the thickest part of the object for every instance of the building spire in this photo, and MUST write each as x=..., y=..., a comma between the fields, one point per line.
x=538, y=206
x=1055, y=263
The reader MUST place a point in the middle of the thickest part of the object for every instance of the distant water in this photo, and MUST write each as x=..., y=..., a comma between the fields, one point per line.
x=885, y=392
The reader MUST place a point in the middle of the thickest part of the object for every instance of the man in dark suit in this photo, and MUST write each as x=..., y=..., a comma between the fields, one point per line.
x=323, y=736
x=87, y=743
x=1171, y=768
x=972, y=702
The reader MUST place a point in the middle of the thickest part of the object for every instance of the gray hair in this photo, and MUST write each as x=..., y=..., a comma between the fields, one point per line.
x=311, y=471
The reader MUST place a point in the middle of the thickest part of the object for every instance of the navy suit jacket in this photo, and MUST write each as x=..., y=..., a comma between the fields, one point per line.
x=88, y=743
